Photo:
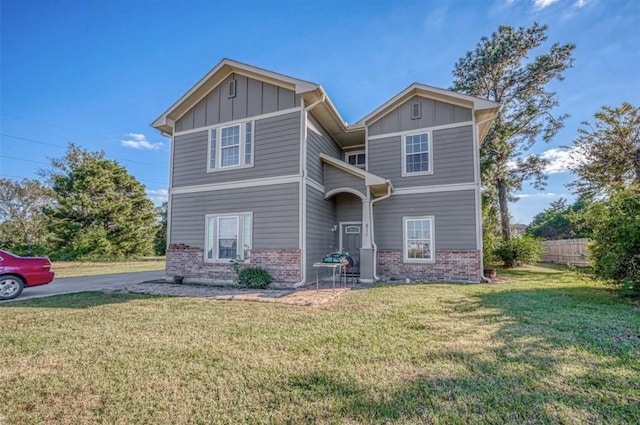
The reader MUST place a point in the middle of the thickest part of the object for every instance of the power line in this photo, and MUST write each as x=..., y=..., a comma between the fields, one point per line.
x=25, y=160
x=40, y=142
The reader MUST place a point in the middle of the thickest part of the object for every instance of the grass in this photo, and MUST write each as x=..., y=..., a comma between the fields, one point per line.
x=80, y=268
x=543, y=347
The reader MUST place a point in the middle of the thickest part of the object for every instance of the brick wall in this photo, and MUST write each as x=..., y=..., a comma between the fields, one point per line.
x=449, y=266
x=282, y=264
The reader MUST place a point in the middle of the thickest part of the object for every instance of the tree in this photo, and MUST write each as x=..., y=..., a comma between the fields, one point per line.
x=160, y=241
x=23, y=222
x=614, y=249
x=560, y=221
x=608, y=153
x=497, y=70
x=101, y=211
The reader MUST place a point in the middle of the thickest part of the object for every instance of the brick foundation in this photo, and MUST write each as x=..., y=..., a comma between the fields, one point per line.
x=453, y=266
x=282, y=264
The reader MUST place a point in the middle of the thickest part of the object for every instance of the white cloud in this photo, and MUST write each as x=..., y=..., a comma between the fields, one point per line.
x=157, y=196
x=539, y=195
x=541, y=4
x=580, y=3
x=560, y=159
x=139, y=141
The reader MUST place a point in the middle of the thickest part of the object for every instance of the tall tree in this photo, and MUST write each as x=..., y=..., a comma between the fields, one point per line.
x=608, y=153
x=160, y=241
x=23, y=222
x=101, y=211
x=498, y=69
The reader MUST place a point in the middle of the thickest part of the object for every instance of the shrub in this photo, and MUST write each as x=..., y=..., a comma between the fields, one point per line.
x=520, y=250
x=254, y=277
x=614, y=250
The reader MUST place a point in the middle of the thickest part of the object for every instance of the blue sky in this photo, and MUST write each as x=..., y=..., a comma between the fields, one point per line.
x=98, y=72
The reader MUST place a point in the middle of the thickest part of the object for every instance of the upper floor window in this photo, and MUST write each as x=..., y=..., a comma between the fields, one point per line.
x=356, y=158
x=416, y=154
x=231, y=146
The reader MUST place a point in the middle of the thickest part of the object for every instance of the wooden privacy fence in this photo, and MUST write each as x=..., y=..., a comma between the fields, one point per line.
x=566, y=251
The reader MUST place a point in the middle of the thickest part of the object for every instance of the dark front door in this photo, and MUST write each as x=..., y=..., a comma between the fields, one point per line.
x=351, y=237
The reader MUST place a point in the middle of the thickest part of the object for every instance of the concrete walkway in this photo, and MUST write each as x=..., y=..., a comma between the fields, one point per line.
x=307, y=296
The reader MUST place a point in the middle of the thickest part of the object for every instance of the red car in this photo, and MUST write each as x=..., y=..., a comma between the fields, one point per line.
x=18, y=272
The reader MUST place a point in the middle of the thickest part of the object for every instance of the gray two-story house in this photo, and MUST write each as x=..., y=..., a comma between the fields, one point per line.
x=264, y=169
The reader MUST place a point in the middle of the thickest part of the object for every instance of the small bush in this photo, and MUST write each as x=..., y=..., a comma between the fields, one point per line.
x=520, y=250
x=254, y=277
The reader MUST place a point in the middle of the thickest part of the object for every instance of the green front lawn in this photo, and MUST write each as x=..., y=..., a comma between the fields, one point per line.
x=86, y=268
x=545, y=347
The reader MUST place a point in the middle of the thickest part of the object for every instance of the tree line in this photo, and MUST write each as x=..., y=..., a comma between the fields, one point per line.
x=84, y=207
x=89, y=207
x=605, y=153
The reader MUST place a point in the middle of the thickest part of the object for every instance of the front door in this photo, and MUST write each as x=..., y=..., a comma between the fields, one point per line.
x=351, y=237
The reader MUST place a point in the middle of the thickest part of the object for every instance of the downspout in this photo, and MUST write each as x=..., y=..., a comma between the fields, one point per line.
x=303, y=149
x=483, y=278
x=373, y=241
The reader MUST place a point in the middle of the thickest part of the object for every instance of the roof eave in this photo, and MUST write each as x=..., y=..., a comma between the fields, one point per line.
x=472, y=102
x=215, y=77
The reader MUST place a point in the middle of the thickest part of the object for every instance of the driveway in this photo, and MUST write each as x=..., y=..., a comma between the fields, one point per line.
x=88, y=283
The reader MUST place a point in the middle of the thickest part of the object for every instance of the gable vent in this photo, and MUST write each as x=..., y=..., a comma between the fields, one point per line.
x=232, y=88
x=416, y=111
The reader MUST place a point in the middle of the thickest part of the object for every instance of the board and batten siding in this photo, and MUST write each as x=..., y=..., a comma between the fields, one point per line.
x=321, y=240
x=253, y=98
x=454, y=213
x=433, y=113
x=452, y=151
x=276, y=153
x=318, y=141
x=335, y=178
x=275, y=214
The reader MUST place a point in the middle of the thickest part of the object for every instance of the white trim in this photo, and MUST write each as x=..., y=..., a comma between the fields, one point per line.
x=169, y=200
x=299, y=86
x=429, y=152
x=268, y=181
x=433, y=128
x=314, y=184
x=347, y=223
x=239, y=236
x=429, y=92
x=432, y=226
x=230, y=123
x=346, y=148
x=242, y=146
x=337, y=190
x=435, y=188
x=478, y=197
x=347, y=154
x=302, y=197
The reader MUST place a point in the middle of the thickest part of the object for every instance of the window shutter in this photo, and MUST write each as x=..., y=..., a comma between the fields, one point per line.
x=416, y=111
x=232, y=88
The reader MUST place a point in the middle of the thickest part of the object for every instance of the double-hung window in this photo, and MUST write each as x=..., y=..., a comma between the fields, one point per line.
x=416, y=154
x=418, y=239
x=231, y=146
x=228, y=236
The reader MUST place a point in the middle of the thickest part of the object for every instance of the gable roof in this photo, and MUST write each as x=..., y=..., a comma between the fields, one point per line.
x=319, y=104
x=484, y=110
x=431, y=92
x=165, y=122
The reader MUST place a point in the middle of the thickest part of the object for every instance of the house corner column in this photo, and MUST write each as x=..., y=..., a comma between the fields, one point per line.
x=366, y=252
